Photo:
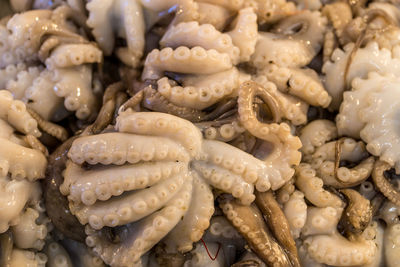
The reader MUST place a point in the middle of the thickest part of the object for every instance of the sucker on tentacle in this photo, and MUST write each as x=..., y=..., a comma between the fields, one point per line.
x=278, y=224
x=249, y=221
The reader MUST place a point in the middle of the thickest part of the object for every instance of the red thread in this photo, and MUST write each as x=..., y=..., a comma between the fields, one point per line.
x=209, y=255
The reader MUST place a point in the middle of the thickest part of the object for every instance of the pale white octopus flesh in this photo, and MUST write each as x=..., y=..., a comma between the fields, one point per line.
x=151, y=178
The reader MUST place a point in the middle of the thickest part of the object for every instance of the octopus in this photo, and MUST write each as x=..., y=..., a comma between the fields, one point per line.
x=65, y=69
x=172, y=168
x=228, y=133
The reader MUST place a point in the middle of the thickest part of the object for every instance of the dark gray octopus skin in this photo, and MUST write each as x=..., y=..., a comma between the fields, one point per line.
x=278, y=224
x=48, y=127
x=6, y=246
x=56, y=204
x=386, y=188
x=358, y=213
x=249, y=222
x=153, y=100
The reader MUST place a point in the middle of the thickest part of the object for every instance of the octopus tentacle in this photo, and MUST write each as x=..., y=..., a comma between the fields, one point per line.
x=339, y=14
x=43, y=100
x=63, y=13
x=278, y=223
x=21, y=162
x=155, y=101
x=288, y=48
x=338, y=251
x=133, y=207
x=315, y=134
x=249, y=221
x=253, y=170
x=213, y=14
x=75, y=85
x=303, y=83
x=141, y=236
x=48, y=127
x=291, y=107
x=225, y=180
x=312, y=187
x=27, y=233
x=392, y=246
x=20, y=257
x=226, y=132
x=283, y=194
x=129, y=25
x=119, y=148
x=14, y=111
x=285, y=144
x=295, y=210
x=163, y=125
x=184, y=60
x=24, y=79
x=323, y=161
x=80, y=187
x=56, y=254
x=69, y=55
x=41, y=28
x=34, y=143
x=321, y=221
x=358, y=212
x=271, y=11
x=191, y=34
x=202, y=91
x=383, y=184
x=185, y=10
x=10, y=73
x=245, y=33
x=196, y=220
x=15, y=195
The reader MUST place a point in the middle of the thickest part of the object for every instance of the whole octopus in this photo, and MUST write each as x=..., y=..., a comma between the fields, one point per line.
x=199, y=133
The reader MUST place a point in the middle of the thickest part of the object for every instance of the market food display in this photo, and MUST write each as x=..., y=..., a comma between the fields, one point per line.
x=199, y=133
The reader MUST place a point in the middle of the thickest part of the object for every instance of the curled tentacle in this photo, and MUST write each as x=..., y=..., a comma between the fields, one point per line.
x=291, y=107
x=326, y=160
x=315, y=134
x=383, y=184
x=288, y=47
x=303, y=83
x=48, y=127
x=14, y=111
x=27, y=233
x=358, y=212
x=285, y=144
x=312, y=187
